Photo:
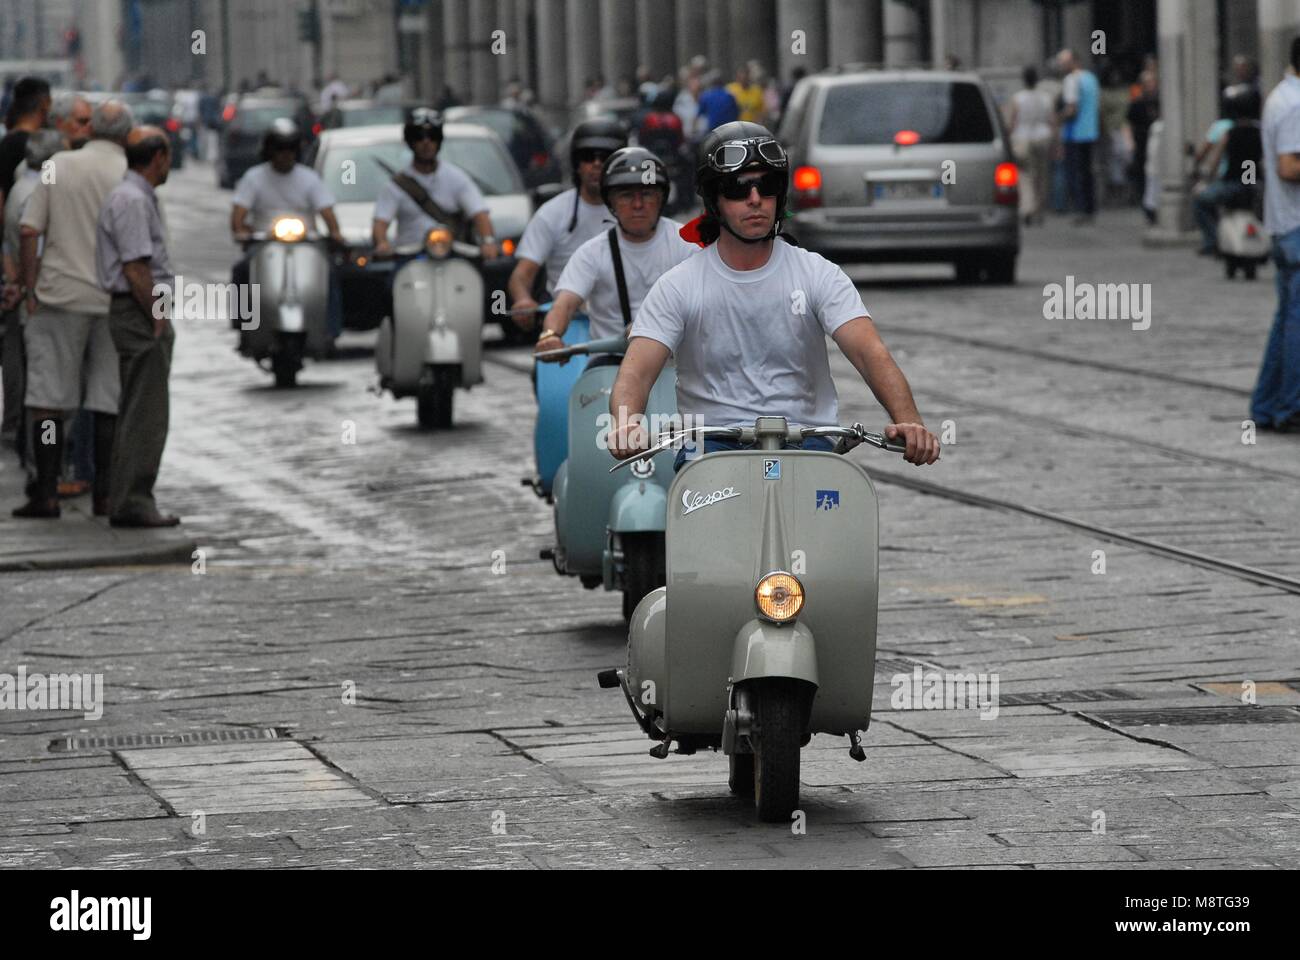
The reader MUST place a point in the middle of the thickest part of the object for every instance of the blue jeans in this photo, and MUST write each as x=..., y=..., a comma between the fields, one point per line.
x=1277, y=392
x=1078, y=176
x=1205, y=207
x=714, y=444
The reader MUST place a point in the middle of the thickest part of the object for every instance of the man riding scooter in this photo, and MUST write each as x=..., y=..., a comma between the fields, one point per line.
x=429, y=193
x=747, y=318
x=613, y=272
x=281, y=186
x=567, y=221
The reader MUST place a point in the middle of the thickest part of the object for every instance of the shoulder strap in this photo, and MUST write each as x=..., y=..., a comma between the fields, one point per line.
x=412, y=189
x=618, y=276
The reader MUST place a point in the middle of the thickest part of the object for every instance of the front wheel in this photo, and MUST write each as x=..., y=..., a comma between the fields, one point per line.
x=1002, y=269
x=643, y=568
x=434, y=398
x=286, y=362
x=777, y=736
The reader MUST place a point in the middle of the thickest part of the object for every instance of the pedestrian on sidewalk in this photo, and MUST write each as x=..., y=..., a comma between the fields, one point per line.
x=71, y=362
x=132, y=262
x=1031, y=142
x=1275, y=404
x=1080, y=128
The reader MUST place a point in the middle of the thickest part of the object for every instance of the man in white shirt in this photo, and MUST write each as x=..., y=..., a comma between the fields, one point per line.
x=747, y=318
x=446, y=188
x=635, y=188
x=565, y=222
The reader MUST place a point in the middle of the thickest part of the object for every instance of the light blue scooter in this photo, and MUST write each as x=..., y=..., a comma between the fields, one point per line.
x=609, y=529
x=553, y=384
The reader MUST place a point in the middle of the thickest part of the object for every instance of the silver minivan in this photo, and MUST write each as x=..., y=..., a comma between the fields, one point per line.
x=903, y=166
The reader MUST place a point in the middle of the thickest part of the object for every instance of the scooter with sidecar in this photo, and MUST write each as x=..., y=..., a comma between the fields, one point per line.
x=433, y=342
x=765, y=632
x=609, y=530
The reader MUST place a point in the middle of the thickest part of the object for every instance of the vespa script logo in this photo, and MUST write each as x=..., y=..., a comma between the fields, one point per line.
x=692, y=501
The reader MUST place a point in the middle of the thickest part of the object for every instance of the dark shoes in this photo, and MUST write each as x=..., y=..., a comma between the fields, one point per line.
x=39, y=510
x=148, y=520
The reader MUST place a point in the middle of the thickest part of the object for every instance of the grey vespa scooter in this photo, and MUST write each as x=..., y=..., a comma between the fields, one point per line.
x=766, y=631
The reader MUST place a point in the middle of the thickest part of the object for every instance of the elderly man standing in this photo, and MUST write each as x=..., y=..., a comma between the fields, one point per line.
x=133, y=264
x=66, y=332
x=70, y=115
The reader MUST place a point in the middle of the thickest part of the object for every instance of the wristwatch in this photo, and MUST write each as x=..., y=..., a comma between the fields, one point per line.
x=547, y=334
x=484, y=241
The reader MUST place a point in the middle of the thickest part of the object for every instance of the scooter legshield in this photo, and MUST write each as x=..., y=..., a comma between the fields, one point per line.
x=734, y=517
x=554, y=381
x=436, y=301
x=292, y=282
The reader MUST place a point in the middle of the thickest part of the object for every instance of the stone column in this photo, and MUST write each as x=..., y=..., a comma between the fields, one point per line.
x=939, y=14
x=525, y=35
x=692, y=30
x=1175, y=31
x=552, y=78
x=656, y=36
x=455, y=45
x=507, y=64
x=809, y=17
x=1279, y=21
x=719, y=51
x=581, y=44
x=483, y=63
x=853, y=32
x=902, y=35
x=618, y=48
x=753, y=33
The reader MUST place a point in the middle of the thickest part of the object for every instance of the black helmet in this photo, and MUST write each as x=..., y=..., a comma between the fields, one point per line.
x=601, y=133
x=422, y=119
x=732, y=148
x=633, y=167
x=283, y=134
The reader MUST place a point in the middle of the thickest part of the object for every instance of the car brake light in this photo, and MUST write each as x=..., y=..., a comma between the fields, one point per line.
x=1006, y=178
x=315, y=129
x=228, y=113
x=539, y=159
x=905, y=138
x=508, y=248
x=807, y=187
x=172, y=124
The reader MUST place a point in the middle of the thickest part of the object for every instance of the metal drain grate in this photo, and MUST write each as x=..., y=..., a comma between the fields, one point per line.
x=167, y=739
x=1064, y=696
x=891, y=665
x=1188, y=716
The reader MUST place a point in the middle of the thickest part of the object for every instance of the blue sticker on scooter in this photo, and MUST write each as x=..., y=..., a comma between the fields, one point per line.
x=828, y=499
x=771, y=469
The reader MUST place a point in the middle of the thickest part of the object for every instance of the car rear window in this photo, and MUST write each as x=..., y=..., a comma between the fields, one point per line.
x=864, y=114
x=372, y=116
x=259, y=119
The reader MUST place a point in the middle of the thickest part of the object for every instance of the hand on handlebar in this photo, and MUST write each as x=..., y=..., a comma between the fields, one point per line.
x=547, y=344
x=382, y=251
x=628, y=440
x=489, y=251
x=524, y=313
x=922, y=445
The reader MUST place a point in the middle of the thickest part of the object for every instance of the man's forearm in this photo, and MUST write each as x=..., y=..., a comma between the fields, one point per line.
x=30, y=263
x=891, y=388
x=482, y=225
x=520, y=285
x=141, y=282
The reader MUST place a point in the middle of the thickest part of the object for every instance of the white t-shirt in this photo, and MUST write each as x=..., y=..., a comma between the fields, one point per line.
x=450, y=187
x=752, y=343
x=268, y=194
x=590, y=273
x=547, y=239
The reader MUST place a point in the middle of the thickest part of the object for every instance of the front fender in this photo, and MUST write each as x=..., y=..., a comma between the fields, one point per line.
x=763, y=649
x=640, y=507
x=443, y=347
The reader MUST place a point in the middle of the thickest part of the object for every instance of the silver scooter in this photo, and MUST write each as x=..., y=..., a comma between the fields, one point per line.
x=433, y=342
x=290, y=271
x=766, y=631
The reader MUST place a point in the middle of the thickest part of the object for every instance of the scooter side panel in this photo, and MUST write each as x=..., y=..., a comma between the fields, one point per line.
x=554, y=383
x=645, y=651
x=591, y=487
x=830, y=523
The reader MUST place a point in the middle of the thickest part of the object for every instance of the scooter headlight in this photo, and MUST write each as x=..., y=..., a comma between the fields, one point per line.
x=438, y=242
x=779, y=596
x=288, y=229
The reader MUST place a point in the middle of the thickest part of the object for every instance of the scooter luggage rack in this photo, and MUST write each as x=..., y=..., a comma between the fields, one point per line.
x=851, y=437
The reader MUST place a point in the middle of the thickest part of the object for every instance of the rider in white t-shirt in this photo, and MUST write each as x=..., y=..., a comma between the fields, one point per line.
x=747, y=318
x=634, y=185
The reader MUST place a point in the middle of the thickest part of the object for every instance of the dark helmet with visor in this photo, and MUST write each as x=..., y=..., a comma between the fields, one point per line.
x=735, y=148
x=283, y=134
x=604, y=134
x=632, y=167
x=422, y=120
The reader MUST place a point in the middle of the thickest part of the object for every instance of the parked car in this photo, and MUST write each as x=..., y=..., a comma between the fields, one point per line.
x=157, y=108
x=366, y=151
x=903, y=166
x=525, y=136
x=365, y=113
x=244, y=121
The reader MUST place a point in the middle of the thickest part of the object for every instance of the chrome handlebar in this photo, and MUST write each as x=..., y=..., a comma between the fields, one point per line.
x=852, y=436
x=605, y=345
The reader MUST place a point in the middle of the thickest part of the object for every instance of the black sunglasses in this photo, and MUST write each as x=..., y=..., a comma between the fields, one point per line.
x=769, y=185
x=592, y=156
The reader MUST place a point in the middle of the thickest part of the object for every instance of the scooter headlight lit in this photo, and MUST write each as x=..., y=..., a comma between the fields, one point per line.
x=438, y=242
x=289, y=230
x=779, y=596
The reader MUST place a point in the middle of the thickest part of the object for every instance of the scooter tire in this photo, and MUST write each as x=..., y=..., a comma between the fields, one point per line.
x=1249, y=270
x=285, y=367
x=643, y=564
x=1230, y=267
x=777, y=738
x=434, y=399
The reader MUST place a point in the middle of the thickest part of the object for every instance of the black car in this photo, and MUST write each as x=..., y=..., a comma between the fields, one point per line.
x=524, y=135
x=245, y=120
